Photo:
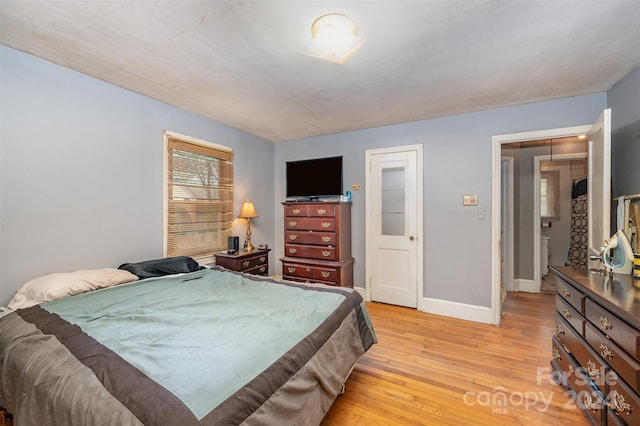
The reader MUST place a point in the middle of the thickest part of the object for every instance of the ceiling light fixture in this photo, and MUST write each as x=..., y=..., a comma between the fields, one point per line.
x=335, y=38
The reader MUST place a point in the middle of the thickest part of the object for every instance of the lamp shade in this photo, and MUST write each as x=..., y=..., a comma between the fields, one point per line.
x=247, y=211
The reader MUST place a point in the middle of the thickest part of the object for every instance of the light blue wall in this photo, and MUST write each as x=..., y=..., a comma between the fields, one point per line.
x=457, y=161
x=624, y=100
x=81, y=171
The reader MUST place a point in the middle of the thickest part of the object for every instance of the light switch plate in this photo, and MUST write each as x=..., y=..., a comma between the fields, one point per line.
x=470, y=200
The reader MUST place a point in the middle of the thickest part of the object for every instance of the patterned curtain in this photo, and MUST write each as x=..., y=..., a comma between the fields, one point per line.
x=579, y=225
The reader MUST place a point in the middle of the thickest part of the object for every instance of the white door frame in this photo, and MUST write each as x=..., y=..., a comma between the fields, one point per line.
x=419, y=217
x=537, y=279
x=496, y=157
x=507, y=249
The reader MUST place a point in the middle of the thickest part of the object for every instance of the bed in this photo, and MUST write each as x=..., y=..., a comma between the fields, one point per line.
x=206, y=347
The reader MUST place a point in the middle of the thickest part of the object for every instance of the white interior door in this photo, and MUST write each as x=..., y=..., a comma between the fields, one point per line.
x=393, y=227
x=599, y=184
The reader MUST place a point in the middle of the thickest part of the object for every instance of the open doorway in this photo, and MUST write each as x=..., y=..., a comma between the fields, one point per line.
x=542, y=209
x=598, y=190
x=497, y=154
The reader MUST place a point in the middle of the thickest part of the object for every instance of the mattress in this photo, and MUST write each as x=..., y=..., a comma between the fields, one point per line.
x=210, y=347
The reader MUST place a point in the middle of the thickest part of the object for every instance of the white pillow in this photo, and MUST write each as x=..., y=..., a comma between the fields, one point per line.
x=62, y=284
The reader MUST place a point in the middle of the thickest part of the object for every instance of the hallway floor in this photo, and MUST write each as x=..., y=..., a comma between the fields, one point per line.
x=548, y=284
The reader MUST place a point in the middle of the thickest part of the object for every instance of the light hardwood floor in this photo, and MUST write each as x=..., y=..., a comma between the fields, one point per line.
x=431, y=370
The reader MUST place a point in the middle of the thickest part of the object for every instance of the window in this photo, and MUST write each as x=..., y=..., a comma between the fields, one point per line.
x=549, y=195
x=198, y=197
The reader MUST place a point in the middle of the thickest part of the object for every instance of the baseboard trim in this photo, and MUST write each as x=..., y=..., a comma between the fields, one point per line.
x=528, y=286
x=463, y=311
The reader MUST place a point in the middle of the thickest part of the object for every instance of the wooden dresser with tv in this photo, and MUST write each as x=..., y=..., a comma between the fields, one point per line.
x=317, y=243
x=596, y=347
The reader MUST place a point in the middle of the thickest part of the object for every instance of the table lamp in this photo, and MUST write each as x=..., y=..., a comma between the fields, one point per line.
x=247, y=212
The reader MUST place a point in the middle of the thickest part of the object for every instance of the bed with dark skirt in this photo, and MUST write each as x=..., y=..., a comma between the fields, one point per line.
x=207, y=347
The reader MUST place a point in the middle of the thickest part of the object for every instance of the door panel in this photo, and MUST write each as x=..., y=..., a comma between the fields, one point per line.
x=599, y=184
x=393, y=235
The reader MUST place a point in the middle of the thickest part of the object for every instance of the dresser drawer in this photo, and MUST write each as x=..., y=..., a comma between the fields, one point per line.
x=310, y=210
x=582, y=390
x=310, y=252
x=310, y=273
x=258, y=270
x=625, y=366
x=313, y=238
x=593, y=366
x=624, y=402
x=563, y=363
x=573, y=296
x=246, y=264
x=627, y=337
x=566, y=333
x=310, y=223
x=589, y=399
x=569, y=313
x=322, y=211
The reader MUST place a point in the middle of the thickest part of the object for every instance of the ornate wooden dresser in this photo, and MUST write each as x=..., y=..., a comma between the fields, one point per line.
x=317, y=243
x=596, y=347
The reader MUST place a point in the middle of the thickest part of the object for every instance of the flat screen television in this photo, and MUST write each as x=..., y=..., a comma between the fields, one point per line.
x=315, y=178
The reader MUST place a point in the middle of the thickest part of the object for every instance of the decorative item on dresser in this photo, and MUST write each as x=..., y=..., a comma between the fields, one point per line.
x=317, y=243
x=255, y=262
x=596, y=348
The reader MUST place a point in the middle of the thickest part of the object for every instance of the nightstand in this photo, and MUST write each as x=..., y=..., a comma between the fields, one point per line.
x=255, y=262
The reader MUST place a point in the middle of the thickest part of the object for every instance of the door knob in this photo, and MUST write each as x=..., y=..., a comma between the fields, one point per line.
x=411, y=237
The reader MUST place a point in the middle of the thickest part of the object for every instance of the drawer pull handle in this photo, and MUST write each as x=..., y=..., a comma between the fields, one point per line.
x=262, y=269
x=325, y=274
x=291, y=269
x=326, y=253
x=566, y=313
x=308, y=269
x=262, y=259
x=592, y=370
x=245, y=263
x=292, y=250
x=588, y=402
x=605, y=352
x=326, y=239
x=566, y=293
x=605, y=323
x=555, y=355
x=620, y=404
x=326, y=224
x=322, y=211
x=293, y=237
x=296, y=211
x=293, y=223
x=559, y=330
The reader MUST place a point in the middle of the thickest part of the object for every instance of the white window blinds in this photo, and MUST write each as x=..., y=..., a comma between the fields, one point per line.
x=199, y=198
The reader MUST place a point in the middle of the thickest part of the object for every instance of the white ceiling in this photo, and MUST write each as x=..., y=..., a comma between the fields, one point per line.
x=242, y=63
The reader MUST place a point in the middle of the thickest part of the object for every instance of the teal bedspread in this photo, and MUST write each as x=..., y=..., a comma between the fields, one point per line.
x=191, y=322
